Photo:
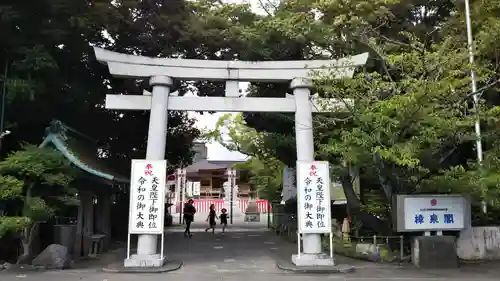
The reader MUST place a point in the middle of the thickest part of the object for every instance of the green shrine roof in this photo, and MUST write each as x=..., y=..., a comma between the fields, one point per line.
x=81, y=151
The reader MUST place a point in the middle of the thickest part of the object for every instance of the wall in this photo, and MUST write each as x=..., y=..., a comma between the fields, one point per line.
x=479, y=243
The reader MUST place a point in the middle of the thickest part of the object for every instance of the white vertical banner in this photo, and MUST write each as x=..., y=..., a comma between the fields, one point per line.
x=313, y=197
x=180, y=191
x=178, y=180
x=231, y=183
x=147, y=196
x=189, y=188
x=180, y=185
x=196, y=188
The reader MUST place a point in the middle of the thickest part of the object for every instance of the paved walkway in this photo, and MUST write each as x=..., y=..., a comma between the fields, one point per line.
x=248, y=252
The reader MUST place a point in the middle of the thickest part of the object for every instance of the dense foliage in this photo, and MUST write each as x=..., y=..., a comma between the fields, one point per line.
x=410, y=128
x=34, y=186
x=50, y=72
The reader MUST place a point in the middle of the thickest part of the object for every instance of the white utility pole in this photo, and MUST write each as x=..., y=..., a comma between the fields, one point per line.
x=475, y=96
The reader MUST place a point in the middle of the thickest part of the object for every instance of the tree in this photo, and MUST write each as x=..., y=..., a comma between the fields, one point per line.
x=49, y=72
x=263, y=170
x=241, y=137
x=34, y=185
x=411, y=118
x=418, y=61
x=411, y=125
x=264, y=175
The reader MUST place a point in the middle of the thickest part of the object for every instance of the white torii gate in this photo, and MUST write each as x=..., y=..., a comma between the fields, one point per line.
x=161, y=71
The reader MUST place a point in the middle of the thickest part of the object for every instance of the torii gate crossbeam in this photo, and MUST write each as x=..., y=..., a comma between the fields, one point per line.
x=220, y=104
x=161, y=71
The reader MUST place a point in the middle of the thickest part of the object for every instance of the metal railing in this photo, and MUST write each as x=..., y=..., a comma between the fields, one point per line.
x=285, y=225
x=281, y=221
x=394, y=242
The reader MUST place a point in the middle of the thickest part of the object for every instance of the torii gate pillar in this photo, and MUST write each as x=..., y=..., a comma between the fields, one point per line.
x=155, y=150
x=311, y=243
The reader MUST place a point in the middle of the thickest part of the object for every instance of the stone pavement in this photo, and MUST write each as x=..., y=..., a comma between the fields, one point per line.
x=238, y=219
x=247, y=252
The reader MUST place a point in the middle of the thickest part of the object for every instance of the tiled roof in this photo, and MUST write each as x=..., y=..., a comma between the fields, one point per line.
x=82, y=153
x=205, y=165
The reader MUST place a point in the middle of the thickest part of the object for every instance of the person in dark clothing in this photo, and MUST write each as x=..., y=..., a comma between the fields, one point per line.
x=189, y=211
x=223, y=219
x=212, y=216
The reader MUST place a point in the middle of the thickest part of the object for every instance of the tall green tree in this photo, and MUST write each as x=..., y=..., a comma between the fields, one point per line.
x=49, y=72
x=34, y=185
x=412, y=122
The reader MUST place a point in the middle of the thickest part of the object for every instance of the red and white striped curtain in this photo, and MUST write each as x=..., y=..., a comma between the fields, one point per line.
x=203, y=205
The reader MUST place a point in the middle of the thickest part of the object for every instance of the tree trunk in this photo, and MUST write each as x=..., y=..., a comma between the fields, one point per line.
x=29, y=232
x=27, y=240
x=384, y=178
x=354, y=204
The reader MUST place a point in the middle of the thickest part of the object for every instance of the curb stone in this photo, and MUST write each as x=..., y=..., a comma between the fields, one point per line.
x=290, y=267
x=167, y=267
x=21, y=267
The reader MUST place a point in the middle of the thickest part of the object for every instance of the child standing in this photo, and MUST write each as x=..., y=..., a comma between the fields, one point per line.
x=189, y=211
x=212, y=216
x=223, y=219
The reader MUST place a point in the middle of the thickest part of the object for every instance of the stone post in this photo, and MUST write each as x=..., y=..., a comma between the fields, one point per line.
x=87, y=199
x=105, y=201
x=77, y=251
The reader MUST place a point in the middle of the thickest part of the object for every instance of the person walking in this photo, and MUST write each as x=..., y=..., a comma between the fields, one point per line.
x=189, y=211
x=223, y=219
x=212, y=216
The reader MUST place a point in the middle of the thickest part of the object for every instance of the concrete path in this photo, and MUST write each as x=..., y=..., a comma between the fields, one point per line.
x=248, y=252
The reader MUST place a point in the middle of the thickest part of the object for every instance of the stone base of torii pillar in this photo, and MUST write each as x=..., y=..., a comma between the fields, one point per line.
x=144, y=261
x=304, y=259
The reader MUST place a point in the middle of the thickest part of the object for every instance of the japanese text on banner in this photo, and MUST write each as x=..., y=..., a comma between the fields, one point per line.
x=147, y=200
x=314, y=197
